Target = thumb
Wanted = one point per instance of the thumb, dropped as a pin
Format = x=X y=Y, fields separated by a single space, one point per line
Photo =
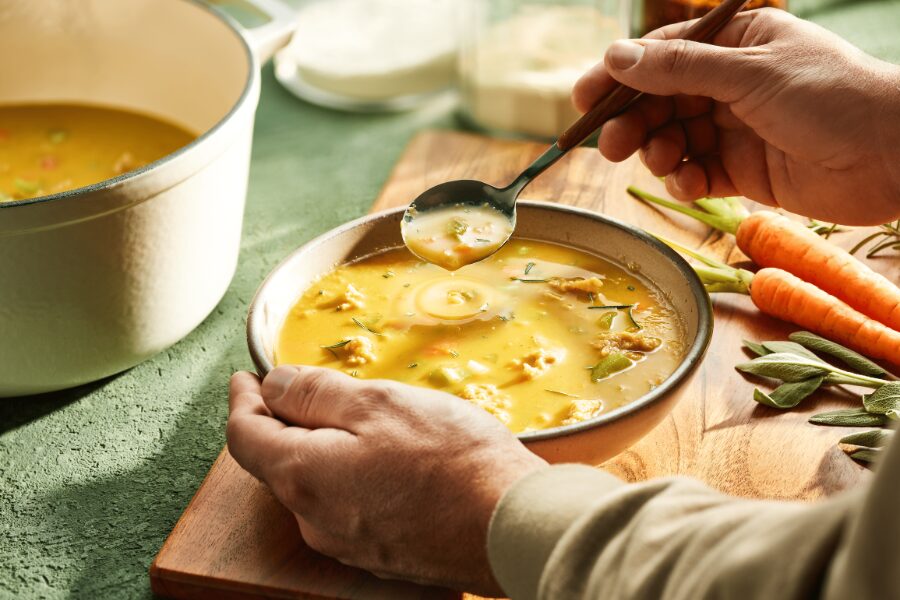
x=670 y=67
x=313 y=397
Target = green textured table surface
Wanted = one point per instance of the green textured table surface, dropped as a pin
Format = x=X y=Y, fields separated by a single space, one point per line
x=93 y=479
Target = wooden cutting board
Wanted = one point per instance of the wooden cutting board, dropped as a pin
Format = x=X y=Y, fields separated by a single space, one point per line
x=235 y=541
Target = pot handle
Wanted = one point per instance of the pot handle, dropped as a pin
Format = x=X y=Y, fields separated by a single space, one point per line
x=273 y=35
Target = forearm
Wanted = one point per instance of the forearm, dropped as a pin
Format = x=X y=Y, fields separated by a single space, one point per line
x=575 y=532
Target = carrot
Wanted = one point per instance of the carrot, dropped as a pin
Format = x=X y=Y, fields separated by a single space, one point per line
x=785 y=296
x=773 y=240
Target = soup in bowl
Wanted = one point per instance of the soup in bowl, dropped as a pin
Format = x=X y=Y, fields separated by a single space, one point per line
x=578 y=334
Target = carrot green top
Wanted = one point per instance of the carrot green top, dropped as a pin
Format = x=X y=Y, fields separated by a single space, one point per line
x=724 y=214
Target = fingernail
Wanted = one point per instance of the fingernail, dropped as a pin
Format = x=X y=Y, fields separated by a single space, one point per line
x=624 y=54
x=278 y=381
x=677 y=189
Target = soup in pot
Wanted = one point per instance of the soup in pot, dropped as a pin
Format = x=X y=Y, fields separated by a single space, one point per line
x=50 y=148
x=538 y=334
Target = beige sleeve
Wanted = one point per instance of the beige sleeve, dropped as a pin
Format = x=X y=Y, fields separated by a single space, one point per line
x=576 y=532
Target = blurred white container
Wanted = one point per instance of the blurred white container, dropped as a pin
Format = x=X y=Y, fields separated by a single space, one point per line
x=371 y=55
x=520 y=58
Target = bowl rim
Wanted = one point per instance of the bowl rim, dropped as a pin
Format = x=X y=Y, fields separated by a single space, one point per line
x=692 y=357
x=252 y=77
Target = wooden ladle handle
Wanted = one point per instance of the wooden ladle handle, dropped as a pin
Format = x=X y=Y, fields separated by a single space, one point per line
x=623 y=96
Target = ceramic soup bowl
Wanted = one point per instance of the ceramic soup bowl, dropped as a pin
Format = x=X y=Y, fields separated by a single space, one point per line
x=590 y=442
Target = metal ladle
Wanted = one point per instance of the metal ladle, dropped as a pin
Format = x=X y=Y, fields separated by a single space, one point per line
x=503 y=200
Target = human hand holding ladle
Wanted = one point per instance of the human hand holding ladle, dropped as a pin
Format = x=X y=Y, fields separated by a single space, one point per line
x=492 y=210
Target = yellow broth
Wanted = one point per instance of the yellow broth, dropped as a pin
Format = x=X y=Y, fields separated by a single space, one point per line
x=51 y=148
x=514 y=334
x=455 y=236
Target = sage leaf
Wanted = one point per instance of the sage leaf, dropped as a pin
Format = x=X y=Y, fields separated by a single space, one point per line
x=609 y=364
x=790 y=348
x=765 y=399
x=784 y=366
x=884 y=401
x=870 y=439
x=852 y=359
x=755 y=348
x=839 y=379
x=789 y=395
x=866 y=455
x=848 y=417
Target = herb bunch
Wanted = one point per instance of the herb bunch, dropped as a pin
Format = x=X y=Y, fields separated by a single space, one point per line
x=886 y=238
x=798 y=365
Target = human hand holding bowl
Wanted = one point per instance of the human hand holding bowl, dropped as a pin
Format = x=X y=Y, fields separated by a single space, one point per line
x=398 y=480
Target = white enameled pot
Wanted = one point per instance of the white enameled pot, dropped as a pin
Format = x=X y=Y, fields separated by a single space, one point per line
x=95 y=280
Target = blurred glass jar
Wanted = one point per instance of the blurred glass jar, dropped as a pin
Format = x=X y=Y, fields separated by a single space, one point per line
x=520 y=58
x=371 y=55
x=653 y=14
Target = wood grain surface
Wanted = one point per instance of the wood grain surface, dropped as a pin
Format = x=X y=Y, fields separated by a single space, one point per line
x=235 y=541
